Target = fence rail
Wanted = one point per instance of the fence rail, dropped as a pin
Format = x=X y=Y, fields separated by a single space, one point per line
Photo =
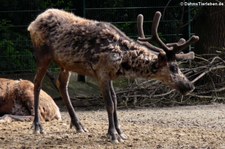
x=15 y=45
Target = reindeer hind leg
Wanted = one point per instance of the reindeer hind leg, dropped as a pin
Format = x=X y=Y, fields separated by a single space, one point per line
x=43 y=59
x=62 y=84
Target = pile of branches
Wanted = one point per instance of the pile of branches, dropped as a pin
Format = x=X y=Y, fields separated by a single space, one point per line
x=207 y=72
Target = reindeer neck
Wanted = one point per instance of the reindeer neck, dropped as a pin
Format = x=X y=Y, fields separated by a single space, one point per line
x=137 y=61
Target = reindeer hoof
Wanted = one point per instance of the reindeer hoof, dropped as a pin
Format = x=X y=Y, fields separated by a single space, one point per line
x=79 y=128
x=123 y=136
x=115 y=138
x=38 y=129
x=114 y=141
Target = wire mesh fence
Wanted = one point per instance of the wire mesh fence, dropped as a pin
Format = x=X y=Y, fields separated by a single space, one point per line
x=15 y=45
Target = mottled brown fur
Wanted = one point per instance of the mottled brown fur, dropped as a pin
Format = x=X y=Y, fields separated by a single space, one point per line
x=83 y=45
x=17 y=98
x=96 y=49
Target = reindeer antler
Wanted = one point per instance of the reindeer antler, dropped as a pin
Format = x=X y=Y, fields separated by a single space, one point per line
x=141 y=36
x=166 y=48
x=155 y=36
x=140 y=20
x=180 y=56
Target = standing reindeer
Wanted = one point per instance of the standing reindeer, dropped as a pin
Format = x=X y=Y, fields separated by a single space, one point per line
x=100 y=50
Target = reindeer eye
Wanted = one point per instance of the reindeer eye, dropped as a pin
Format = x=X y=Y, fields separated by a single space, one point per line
x=173 y=68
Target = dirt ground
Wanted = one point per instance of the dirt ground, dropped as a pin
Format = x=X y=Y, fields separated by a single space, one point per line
x=170 y=128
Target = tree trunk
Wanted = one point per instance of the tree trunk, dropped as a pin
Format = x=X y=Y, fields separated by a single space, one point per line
x=210 y=27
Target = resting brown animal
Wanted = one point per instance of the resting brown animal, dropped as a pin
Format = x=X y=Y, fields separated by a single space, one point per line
x=17 y=100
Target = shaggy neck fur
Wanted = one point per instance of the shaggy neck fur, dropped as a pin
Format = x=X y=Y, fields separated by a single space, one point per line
x=137 y=60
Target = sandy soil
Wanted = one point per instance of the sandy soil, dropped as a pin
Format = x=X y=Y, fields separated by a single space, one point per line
x=169 y=128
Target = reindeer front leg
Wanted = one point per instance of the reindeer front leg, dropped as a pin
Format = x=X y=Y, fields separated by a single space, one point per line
x=114 y=98
x=110 y=101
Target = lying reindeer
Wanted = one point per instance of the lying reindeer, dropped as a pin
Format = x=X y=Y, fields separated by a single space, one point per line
x=102 y=51
x=17 y=102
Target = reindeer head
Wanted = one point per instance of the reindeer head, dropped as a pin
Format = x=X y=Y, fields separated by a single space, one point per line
x=166 y=68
